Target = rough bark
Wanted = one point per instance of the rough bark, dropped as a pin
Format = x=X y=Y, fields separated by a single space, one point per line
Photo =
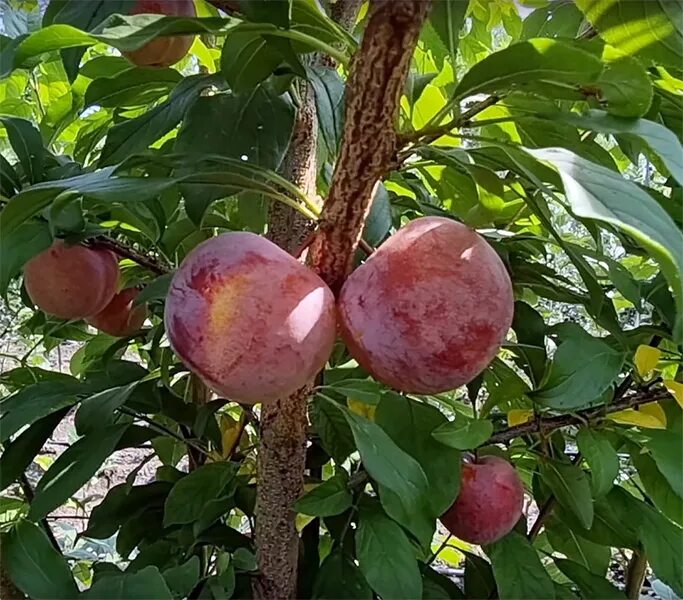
x=373 y=92
x=282 y=453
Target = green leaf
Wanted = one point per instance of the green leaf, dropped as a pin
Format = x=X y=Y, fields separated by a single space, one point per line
x=35 y=566
x=34 y=402
x=657 y=487
x=464 y=434
x=363 y=390
x=624 y=85
x=386 y=557
x=649 y=30
x=662 y=543
x=187 y=499
x=518 y=570
x=379 y=220
x=328 y=89
x=564 y=539
x=136 y=135
x=9 y=180
x=141 y=585
x=570 y=486
x=535 y=65
x=97 y=411
x=18 y=246
x=247 y=59
x=594 y=192
x=581 y=370
x=331 y=497
x=447 y=19
x=667 y=451
x=437 y=586
x=18 y=454
x=27 y=144
x=133 y=87
x=73 y=469
x=601 y=457
x=479 y=581
x=556 y=19
x=182 y=579
x=590 y=584
x=154 y=290
x=340 y=579
x=334 y=431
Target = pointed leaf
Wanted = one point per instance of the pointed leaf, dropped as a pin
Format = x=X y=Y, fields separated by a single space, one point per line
x=602 y=459
x=570 y=486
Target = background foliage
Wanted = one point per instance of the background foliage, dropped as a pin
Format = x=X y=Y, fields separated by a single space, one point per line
x=554 y=128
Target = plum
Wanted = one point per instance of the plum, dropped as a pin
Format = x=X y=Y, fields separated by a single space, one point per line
x=489 y=503
x=249 y=319
x=166 y=50
x=429 y=309
x=120 y=318
x=72 y=282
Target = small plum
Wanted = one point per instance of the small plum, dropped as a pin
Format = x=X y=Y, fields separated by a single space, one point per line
x=120 y=318
x=429 y=309
x=249 y=319
x=72 y=282
x=489 y=503
x=166 y=50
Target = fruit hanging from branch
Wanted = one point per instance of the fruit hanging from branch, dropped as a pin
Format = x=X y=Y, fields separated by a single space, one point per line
x=120 y=317
x=249 y=319
x=72 y=282
x=430 y=309
x=168 y=50
x=489 y=503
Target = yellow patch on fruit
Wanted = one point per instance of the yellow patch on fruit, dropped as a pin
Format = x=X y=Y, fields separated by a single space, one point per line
x=518 y=416
x=675 y=388
x=649 y=416
x=224 y=302
x=361 y=408
x=646 y=359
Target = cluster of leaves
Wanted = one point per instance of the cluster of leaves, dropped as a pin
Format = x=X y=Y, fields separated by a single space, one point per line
x=533 y=130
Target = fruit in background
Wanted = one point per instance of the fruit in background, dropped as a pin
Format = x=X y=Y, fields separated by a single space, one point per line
x=120 y=318
x=250 y=320
x=167 y=50
x=72 y=282
x=429 y=309
x=489 y=503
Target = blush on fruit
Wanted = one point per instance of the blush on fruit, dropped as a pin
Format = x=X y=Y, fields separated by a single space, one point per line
x=120 y=318
x=250 y=320
x=429 y=309
x=71 y=282
x=166 y=50
x=489 y=503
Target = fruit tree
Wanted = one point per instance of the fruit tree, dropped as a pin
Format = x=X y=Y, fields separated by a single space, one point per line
x=349 y=299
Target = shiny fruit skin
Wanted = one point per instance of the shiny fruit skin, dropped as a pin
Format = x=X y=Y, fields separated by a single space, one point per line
x=489 y=504
x=71 y=282
x=250 y=320
x=429 y=309
x=120 y=318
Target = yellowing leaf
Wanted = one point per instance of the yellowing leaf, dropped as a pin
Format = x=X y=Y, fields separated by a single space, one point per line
x=302 y=521
x=361 y=408
x=655 y=410
x=646 y=359
x=640 y=418
x=230 y=432
x=517 y=416
x=675 y=388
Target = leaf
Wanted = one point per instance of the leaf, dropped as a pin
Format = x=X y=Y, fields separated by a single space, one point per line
x=35 y=566
x=334 y=431
x=534 y=65
x=34 y=402
x=464 y=434
x=73 y=469
x=27 y=144
x=650 y=30
x=340 y=579
x=675 y=388
x=590 y=584
x=601 y=457
x=97 y=411
x=666 y=448
x=9 y=180
x=137 y=134
x=646 y=359
x=182 y=579
x=597 y=193
x=364 y=390
x=386 y=557
x=247 y=59
x=328 y=90
x=447 y=19
x=156 y=289
x=519 y=416
x=437 y=586
x=518 y=570
x=18 y=246
x=361 y=408
x=379 y=220
x=188 y=497
x=639 y=418
x=581 y=370
x=133 y=87
x=18 y=454
x=479 y=581
x=141 y=585
x=331 y=497
x=657 y=487
x=570 y=486
x=564 y=539
x=556 y=19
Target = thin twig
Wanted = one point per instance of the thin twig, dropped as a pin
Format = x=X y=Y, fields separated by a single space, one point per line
x=125 y=251
x=635 y=574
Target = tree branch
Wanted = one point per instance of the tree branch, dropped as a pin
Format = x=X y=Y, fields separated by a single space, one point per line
x=125 y=251
x=368 y=146
x=635 y=574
